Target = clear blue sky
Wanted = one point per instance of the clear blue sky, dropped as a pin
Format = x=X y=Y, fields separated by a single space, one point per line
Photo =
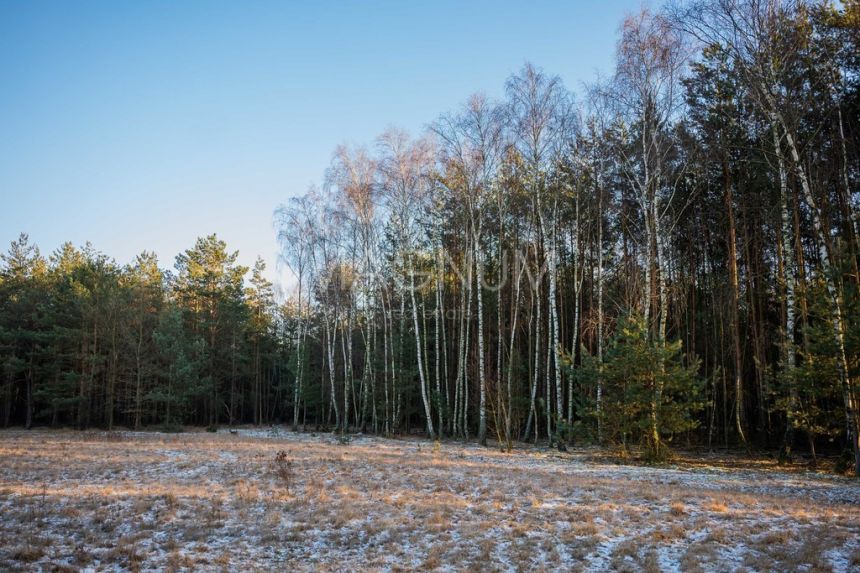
x=143 y=125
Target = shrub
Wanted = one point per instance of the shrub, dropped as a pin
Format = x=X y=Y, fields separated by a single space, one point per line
x=649 y=393
x=283 y=468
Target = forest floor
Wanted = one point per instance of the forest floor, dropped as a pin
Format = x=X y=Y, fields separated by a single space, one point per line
x=220 y=501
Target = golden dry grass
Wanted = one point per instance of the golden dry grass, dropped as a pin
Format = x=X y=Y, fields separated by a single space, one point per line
x=201 y=501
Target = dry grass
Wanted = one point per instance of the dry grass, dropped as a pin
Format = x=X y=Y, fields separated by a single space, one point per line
x=193 y=501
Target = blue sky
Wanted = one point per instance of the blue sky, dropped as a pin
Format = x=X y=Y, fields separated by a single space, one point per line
x=143 y=125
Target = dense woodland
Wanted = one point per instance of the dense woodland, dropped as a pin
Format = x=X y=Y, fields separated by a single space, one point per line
x=667 y=257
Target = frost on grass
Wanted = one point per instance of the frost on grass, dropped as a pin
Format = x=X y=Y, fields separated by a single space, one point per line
x=266 y=499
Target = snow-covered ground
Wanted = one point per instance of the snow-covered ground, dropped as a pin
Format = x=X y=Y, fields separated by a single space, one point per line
x=200 y=501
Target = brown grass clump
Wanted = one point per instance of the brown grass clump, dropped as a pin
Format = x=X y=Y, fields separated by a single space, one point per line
x=715 y=506
x=677 y=509
x=671 y=533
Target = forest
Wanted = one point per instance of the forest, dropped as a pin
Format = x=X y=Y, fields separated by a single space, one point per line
x=664 y=258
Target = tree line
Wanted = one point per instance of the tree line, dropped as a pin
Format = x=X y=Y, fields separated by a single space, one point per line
x=669 y=256
x=87 y=342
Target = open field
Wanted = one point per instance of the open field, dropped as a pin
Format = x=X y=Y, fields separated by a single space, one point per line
x=200 y=501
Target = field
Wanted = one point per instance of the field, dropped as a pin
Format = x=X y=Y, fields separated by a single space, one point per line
x=272 y=499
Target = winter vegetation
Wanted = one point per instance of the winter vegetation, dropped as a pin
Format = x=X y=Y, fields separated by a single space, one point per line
x=486 y=318
x=272 y=499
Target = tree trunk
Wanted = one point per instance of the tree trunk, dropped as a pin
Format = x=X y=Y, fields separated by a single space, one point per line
x=787 y=280
x=418 y=347
x=734 y=310
x=482 y=377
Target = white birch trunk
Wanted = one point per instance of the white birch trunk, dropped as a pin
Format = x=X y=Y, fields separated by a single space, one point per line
x=482 y=381
x=418 y=349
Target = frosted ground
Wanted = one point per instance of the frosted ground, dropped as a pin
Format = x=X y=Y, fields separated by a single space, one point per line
x=200 y=501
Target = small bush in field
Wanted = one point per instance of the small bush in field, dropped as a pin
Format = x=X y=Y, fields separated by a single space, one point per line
x=283 y=466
